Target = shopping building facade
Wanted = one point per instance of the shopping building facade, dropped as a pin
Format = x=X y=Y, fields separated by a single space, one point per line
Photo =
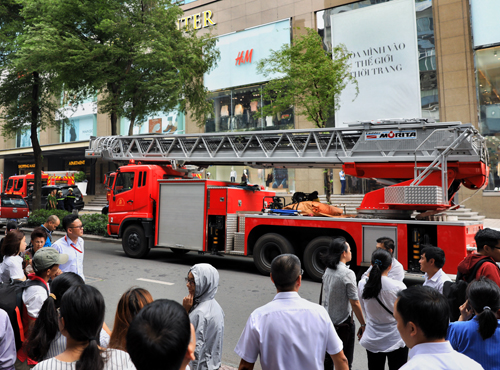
x=458 y=58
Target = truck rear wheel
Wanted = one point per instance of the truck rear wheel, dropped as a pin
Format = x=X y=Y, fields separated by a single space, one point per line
x=134 y=242
x=267 y=247
x=313 y=265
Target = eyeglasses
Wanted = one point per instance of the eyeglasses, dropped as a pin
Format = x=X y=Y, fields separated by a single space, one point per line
x=76 y=227
x=189 y=281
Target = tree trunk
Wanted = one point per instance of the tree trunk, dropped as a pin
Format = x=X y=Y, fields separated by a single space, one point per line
x=131 y=126
x=327 y=183
x=37 y=150
x=114 y=116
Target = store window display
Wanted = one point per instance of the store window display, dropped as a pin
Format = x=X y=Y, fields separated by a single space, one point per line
x=236 y=110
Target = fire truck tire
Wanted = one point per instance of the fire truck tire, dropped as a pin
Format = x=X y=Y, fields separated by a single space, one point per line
x=312 y=262
x=134 y=242
x=266 y=248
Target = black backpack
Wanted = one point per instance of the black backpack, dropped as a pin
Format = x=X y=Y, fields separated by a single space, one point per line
x=11 y=301
x=455 y=291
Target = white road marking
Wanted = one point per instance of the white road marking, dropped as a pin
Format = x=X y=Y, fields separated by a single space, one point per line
x=155 y=281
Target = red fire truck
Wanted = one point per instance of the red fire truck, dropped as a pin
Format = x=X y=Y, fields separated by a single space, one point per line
x=24 y=184
x=156 y=202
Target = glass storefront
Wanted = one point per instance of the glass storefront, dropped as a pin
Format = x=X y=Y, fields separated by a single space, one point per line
x=426 y=48
x=236 y=110
x=486 y=42
x=488 y=94
x=165 y=123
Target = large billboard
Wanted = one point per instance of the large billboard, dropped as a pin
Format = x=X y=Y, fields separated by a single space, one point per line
x=382 y=40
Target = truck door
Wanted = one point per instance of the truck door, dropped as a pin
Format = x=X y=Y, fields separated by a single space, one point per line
x=123 y=194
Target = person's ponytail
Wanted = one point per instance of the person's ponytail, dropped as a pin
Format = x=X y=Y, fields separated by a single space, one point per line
x=44 y=330
x=82 y=309
x=484 y=298
x=381 y=260
x=91 y=358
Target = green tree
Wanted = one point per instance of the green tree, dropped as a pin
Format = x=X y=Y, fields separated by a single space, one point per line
x=131 y=53
x=26 y=91
x=311 y=80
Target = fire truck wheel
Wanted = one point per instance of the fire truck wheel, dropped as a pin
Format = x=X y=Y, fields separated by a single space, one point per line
x=267 y=247
x=312 y=261
x=134 y=242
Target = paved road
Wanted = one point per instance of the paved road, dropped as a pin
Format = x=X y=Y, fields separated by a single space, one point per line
x=242 y=288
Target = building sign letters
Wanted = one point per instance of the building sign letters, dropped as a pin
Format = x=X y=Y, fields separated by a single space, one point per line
x=390 y=135
x=30 y=165
x=244 y=57
x=196 y=21
x=77 y=163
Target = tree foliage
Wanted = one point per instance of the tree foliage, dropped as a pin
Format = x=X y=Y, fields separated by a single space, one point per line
x=131 y=53
x=311 y=81
x=27 y=90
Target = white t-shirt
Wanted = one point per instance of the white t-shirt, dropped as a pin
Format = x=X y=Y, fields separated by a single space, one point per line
x=58 y=345
x=381 y=333
x=33 y=298
x=397 y=271
x=437 y=280
x=116 y=360
x=11 y=268
x=289 y=333
x=438 y=356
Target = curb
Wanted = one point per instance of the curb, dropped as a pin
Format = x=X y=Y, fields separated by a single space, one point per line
x=84 y=237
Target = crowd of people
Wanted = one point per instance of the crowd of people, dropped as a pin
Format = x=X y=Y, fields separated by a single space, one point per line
x=409 y=328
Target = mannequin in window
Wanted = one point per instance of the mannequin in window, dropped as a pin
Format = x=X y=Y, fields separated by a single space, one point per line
x=244 y=176
x=224 y=111
x=233 y=175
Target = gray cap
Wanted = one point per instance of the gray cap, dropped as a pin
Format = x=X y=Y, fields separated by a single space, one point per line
x=47 y=257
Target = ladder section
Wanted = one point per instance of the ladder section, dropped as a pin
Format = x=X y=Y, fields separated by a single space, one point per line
x=360 y=142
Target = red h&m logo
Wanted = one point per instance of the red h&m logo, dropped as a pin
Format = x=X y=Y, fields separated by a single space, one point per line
x=244 y=57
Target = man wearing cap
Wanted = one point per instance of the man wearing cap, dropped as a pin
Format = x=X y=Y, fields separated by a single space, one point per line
x=70 y=200
x=45 y=263
x=60 y=200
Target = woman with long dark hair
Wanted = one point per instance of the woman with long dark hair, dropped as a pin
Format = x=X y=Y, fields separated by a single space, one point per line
x=131 y=302
x=81 y=317
x=45 y=339
x=339 y=296
x=12 y=264
x=479 y=338
x=378 y=293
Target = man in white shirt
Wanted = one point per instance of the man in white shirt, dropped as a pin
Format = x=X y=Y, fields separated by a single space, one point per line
x=72 y=245
x=431 y=262
x=422 y=315
x=397 y=271
x=289 y=332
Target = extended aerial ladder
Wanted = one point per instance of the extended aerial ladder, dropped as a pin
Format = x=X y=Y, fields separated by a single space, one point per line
x=430 y=160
